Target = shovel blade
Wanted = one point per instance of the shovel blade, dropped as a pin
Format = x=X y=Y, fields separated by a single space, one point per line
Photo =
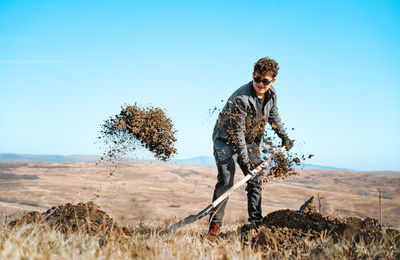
x=184 y=222
x=192 y=218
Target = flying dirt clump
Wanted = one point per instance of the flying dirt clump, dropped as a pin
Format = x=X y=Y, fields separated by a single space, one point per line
x=68 y=218
x=148 y=126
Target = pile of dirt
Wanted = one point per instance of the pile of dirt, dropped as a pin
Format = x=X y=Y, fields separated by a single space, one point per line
x=285 y=229
x=303 y=221
x=68 y=218
x=148 y=126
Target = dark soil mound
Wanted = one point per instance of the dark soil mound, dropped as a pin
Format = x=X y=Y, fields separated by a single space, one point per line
x=81 y=218
x=288 y=228
x=149 y=126
x=305 y=222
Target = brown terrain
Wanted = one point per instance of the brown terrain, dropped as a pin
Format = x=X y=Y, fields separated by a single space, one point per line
x=141 y=191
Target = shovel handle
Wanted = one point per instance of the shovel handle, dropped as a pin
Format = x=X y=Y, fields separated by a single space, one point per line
x=245 y=179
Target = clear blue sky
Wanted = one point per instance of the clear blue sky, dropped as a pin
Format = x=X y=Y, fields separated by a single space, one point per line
x=65 y=64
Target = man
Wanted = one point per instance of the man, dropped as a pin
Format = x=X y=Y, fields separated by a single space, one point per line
x=237 y=136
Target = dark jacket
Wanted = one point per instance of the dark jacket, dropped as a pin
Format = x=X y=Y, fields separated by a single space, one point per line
x=239 y=125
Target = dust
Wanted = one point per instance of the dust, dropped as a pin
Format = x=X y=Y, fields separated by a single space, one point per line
x=69 y=218
x=148 y=127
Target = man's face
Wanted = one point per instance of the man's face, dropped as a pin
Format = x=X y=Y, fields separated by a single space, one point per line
x=262 y=83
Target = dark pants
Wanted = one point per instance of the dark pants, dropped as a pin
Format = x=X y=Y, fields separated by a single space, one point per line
x=226 y=174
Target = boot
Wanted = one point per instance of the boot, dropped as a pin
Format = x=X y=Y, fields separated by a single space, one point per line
x=214 y=229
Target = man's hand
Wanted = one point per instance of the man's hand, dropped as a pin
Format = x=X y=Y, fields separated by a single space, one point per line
x=287 y=143
x=248 y=167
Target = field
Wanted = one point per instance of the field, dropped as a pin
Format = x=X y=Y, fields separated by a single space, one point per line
x=149 y=197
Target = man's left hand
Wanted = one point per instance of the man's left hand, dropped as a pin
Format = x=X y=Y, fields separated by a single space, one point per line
x=287 y=143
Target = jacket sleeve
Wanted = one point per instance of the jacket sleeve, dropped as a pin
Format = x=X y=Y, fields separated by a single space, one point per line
x=238 y=119
x=275 y=121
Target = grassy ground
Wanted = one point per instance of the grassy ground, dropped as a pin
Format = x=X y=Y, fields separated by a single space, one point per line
x=154 y=240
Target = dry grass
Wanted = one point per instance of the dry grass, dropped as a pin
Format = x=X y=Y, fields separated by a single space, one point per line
x=148 y=240
x=154 y=240
x=158 y=191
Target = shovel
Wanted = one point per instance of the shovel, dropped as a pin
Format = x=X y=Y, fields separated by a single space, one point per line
x=209 y=208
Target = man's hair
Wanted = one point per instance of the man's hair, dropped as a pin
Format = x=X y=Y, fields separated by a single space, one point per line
x=265 y=65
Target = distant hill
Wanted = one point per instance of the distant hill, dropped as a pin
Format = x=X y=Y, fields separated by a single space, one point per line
x=307 y=166
x=208 y=161
x=11 y=157
x=202 y=161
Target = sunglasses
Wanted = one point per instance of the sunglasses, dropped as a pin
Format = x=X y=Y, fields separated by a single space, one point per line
x=264 y=81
